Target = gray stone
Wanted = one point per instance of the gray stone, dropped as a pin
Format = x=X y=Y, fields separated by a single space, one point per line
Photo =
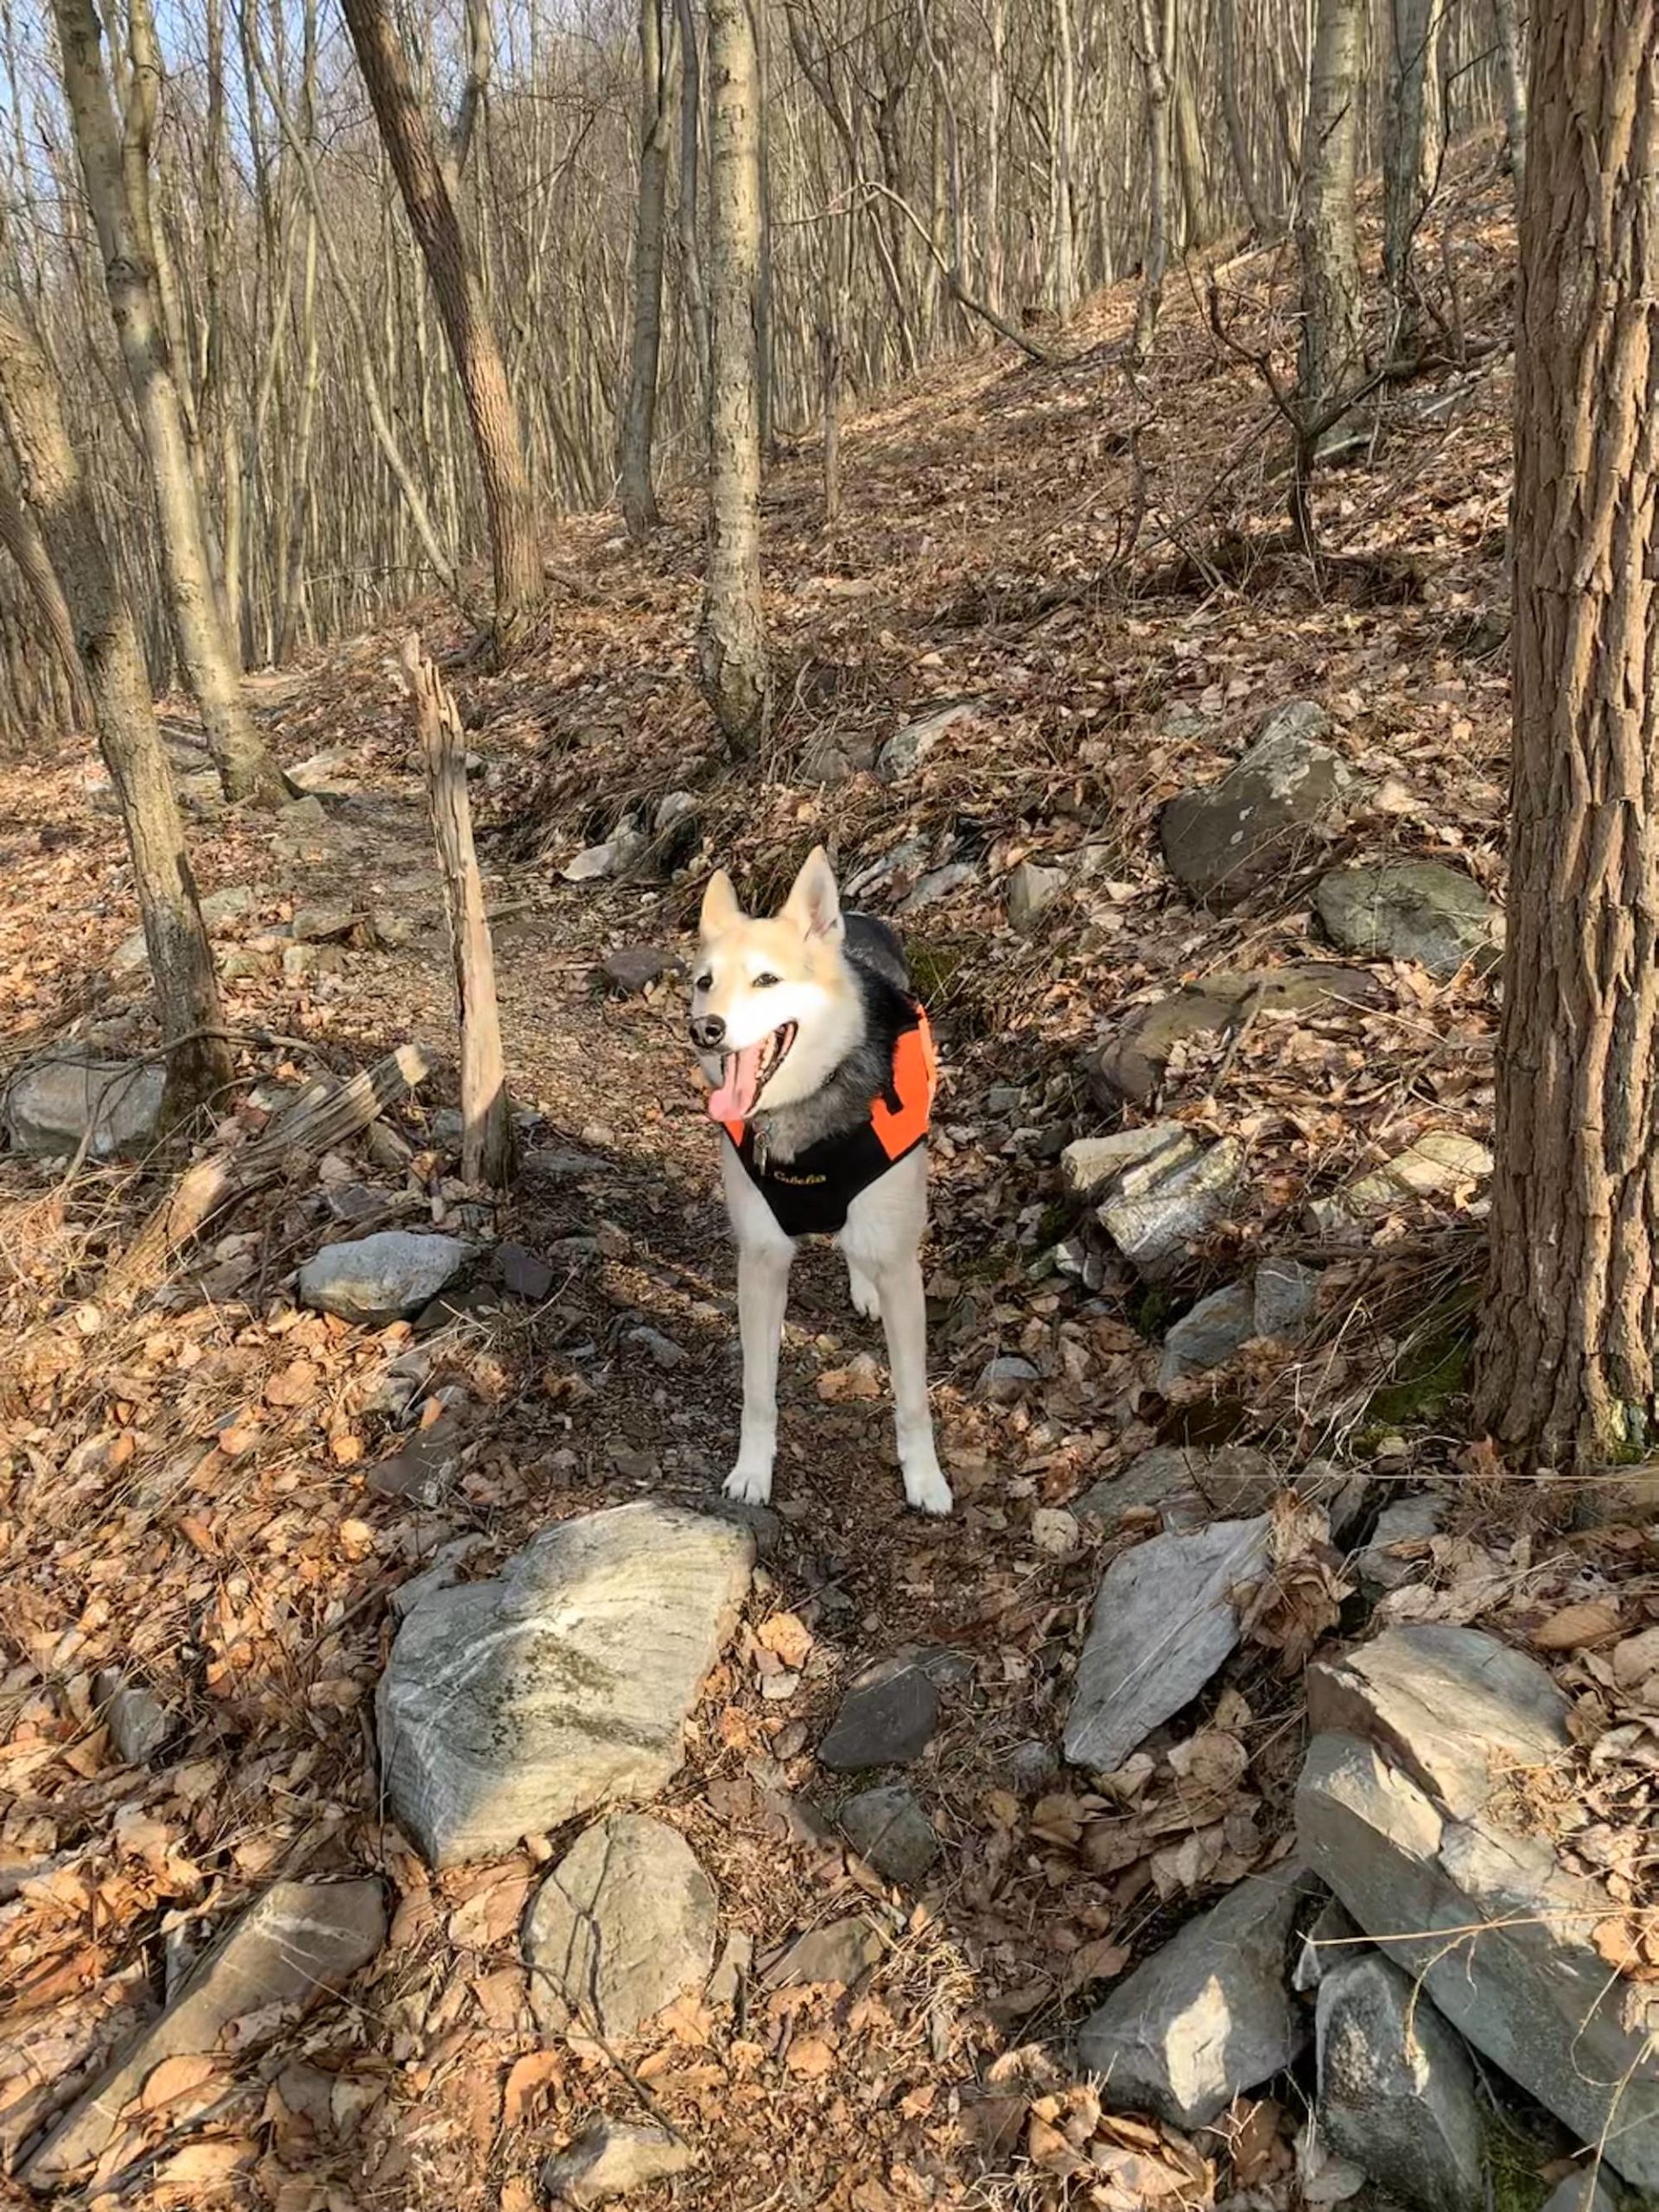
x=1031 y=891
x=423 y=1470
x=1003 y=1100
x=885 y=1719
x=904 y=752
x=1163 y=1204
x=139 y=1724
x=623 y=1925
x=889 y=1827
x=1190 y=1484
x=1410 y=1521
x=1584 y=2191
x=735 y=1965
x=1134 y=1065
x=939 y=883
x=300 y=961
x=512 y=1705
x=1208 y=1336
x=661 y=1351
x=610 y=2157
x=1415 y=909
x=523 y=1273
x=672 y=807
x=842 y=1952
x=219 y=909
x=1163 y=1622
x=1397 y=2092
x=1207 y=2016
x=293 y=1945
x=443 y=1573
x=1435 y=1165
x=629 y=969
x=1087 y=1165
x=1286 y=1296
x=387 y=1277
x=299 y=822
x=322 y=923
x=1007 y=1376
x=593 y=864
x=1400 y=1809
x=1032 y=1766
x=50 y=1106
x=1328 y=1941
x=1284 y=795
x=320 y=770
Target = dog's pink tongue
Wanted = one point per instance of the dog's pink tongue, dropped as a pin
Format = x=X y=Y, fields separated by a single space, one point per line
x=736 y=1096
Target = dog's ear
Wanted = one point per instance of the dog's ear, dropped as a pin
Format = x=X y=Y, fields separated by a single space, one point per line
x=720 y=907
x=814 y=903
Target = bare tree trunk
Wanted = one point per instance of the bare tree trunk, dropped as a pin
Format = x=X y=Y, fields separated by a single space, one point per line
x=486 y=1145
x=181 y=959
x=1158 y=50
x=696 y=296
x=1513 y=66
x=1332 y=341
x=246 y=766
x=21 y=536
x=430 y=199
x=1565 y=1365
x=1189 y=145
x=760 y=27
x=1263 y=221
x=1413 y=144
x=1065 y=164
x=639 y=401
x=732 y=642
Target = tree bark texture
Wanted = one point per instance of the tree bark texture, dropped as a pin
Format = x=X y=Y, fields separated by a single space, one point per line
x=1413 y=144
x=1158 y=50
x=486 y=1146
x=427 y=191
x=1513 y=69
x=1564 y=1367
x=1332 y=339
x=246 y=766
x=181 y=959
x=21 y=536
x=732 y=641
x=638 y=411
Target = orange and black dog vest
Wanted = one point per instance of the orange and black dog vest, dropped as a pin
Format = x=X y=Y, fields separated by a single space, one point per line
x=810 y=1195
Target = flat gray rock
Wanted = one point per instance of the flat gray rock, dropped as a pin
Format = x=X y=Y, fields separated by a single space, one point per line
x=906 y=749
x=844 y=1951
x=380 y=1278
x=1163 y=1622
x=293 y=1945
x=1136 y=1063
x=623 y=1925
x=1089 y=1165
x=611 y=2157
x=1209 y=1335
x=1584 y=2191
x=888 y=1828
x=51 y=1107
x=1271 y=810
x=139 y=1723
x=1412 y=910
x=632 y=968
x=1396 y=2092
x=512 y=1705
x=1498 y=1934
x=1031 y=891
x=1409 y=1521
x=1166 y=1202
x=885 y=1719
x=1207 y=2016
x=1285 y=1297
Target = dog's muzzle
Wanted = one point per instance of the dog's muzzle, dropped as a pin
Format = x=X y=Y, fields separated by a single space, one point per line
x=708 y=1033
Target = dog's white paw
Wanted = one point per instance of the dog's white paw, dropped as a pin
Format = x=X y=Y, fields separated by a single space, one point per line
x=866 y=1299
x=926 y=1491
x=753 y=1485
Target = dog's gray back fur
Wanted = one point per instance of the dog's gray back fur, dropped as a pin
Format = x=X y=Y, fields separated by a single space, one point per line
x=873 y=952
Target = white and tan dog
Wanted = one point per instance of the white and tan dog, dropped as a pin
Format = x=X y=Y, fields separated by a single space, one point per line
x=822 y=1067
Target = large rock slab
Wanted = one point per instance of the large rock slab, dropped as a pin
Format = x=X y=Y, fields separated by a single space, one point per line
x=50 y=1108
x=380 y=1278
x=1281 y=799
x=1210 y=2015
x=1396 y=2092
x=1163 y=1204
x=1134 y=1065
x=1401 y=1809
x=622 y=1926
x=512 y=1705
x=1414 y=910
x=1163 y=1622
x=295 y=1944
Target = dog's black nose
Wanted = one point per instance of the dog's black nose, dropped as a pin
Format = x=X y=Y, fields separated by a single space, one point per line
x=708 y=1032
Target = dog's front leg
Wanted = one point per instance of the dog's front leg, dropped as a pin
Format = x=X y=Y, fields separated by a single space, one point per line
x=903 y=1317
x=762 y=1295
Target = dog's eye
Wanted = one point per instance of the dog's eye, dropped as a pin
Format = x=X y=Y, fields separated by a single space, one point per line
x=704 y=983
x=765 y=982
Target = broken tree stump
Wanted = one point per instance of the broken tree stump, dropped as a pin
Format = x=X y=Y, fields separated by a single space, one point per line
x=487 y=1144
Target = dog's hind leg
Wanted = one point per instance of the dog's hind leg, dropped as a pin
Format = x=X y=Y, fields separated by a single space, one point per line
x=866 y=1299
